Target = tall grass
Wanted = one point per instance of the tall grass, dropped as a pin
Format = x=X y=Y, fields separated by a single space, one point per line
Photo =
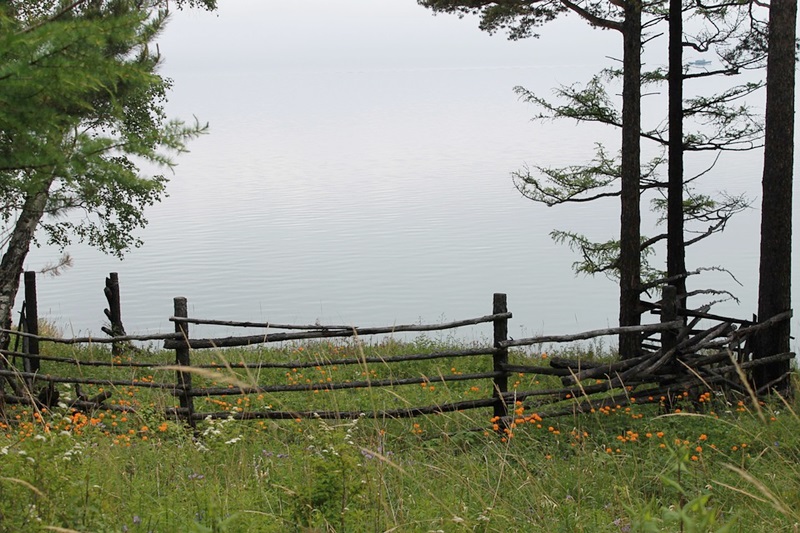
x=710 y=464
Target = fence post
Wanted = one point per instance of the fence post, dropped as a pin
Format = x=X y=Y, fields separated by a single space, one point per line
x=182 y=359
x=114 y=311
x=31 y=364
x=500 y=358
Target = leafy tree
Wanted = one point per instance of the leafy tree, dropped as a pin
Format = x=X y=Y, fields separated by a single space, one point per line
x=775 y=268
x=81 y=109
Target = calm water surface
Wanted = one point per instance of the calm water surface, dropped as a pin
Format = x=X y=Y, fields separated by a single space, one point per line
x=373 y=195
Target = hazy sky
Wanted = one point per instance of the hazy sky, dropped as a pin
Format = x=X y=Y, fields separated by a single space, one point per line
x=363 y=34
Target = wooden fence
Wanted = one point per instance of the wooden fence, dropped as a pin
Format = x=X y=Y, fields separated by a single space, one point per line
x=684 y=356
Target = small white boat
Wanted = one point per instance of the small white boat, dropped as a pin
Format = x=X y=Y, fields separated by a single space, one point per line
x=700 y=63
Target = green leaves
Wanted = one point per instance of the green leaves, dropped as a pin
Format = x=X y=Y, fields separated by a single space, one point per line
x=81 y=108
x=574 y=183
x=588 y=102
x=517 y=19
x=603 y=257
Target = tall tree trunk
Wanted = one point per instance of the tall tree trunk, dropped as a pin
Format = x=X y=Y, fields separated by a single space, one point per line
x=676 y=262
x=775 y=268
x=13 y=261
x=630 y=218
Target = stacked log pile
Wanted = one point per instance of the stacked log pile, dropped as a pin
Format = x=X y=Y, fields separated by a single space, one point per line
x=716 y=358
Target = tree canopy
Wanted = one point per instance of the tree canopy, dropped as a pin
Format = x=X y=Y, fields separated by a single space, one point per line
x=81 y=113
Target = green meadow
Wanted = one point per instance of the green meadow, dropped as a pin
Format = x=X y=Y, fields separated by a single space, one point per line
x=709 y=462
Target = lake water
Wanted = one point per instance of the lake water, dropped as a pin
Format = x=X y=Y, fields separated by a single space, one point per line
x=366 y=181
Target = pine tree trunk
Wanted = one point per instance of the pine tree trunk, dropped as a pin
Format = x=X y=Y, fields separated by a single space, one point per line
x=13 y=261
x=676 y=262
x=775 y=269
x=630 y=218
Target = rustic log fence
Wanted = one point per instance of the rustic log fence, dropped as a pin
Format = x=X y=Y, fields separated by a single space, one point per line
x=684 y=356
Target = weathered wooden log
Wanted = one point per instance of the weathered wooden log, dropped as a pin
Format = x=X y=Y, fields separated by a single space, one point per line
x=633 y=368
x=741 y=341
x=642 y=396
x=697 y=360
x=95 y=340
x=655 y=308
x=565 y=392
x=746 y=331
x=758 y=362
x=720 y=374
x=616 y=383
x=90 y=381
x=649 y=366
x=725 y=380
x=593 y=334
x=355 y=360
x=79 y=362
x=500 y=357
x=307 y=387
x=336 y=415
x=541 y=370
x=82 y=405
x=260 y=365
x=114 y=314
x=574 y=364
x=182 y=359
x=229 y=342
x=606 y=369
x=261 y=325
x=701 y=340
x=765 y=388
x=31 y=343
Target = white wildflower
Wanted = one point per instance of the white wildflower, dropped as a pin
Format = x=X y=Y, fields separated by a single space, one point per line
x=73 y=452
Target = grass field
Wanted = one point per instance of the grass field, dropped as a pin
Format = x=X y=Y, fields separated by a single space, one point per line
x=710 y=464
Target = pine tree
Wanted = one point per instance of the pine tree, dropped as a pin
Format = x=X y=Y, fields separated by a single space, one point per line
x=775 y=268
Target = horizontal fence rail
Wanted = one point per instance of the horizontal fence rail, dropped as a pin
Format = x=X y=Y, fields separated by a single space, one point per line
x=593 y=334
x=365 y=384
x=323 y=333
x=47 y=378
x=265 y=364
x=93 y=340
x=409 y=412
x=245 y=324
